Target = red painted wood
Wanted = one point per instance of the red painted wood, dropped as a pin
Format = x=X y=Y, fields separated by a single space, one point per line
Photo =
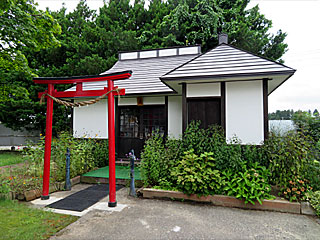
x=82 y=79
x=89 y=93
x=47 y=148
x=79 y=87
x=111 y=137
x=80 y=93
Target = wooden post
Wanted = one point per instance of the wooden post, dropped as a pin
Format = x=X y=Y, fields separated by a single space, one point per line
x=111 y=136
x=47 y=148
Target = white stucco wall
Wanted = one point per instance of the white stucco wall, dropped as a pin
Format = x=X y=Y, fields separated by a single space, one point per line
x=244 y=111
x=175 y=116
x=91 y=121
x=204 y=90
x=146 y=101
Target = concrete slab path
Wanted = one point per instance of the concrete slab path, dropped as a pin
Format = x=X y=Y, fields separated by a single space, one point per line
x=160 y=219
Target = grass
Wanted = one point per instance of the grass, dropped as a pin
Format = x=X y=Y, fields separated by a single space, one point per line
x=18 y=221
x=9 y=158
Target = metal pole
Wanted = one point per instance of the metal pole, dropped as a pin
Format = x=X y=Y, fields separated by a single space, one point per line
x=132 y=188
x=47 y=148
x=111 y=135
x=68 y=182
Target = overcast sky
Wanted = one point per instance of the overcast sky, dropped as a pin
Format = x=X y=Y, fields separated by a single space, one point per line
x=300 y=19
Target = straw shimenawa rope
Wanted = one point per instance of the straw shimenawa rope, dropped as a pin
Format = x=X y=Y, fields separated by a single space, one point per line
x=77 y=104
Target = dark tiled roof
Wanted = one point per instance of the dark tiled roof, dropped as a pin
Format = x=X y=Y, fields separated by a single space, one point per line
x=146 y=74
x=227 y=61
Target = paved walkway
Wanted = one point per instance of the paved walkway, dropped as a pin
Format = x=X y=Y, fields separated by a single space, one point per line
x=159 y=219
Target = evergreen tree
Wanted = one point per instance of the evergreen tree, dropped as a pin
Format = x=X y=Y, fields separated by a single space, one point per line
x=90 y=42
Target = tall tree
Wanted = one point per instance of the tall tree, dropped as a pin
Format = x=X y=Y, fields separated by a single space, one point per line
x=90 y=42
x=22 y=27
x=200 y=22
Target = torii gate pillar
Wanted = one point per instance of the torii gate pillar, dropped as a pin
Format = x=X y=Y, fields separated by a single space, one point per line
x=111 y=136
x=47 y=146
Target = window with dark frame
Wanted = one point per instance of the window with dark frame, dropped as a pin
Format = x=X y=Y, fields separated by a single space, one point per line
x=140 y=122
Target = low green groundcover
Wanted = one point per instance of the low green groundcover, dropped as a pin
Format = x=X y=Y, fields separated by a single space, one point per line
x=19 y=221
x=122 y=172
x=9 y=158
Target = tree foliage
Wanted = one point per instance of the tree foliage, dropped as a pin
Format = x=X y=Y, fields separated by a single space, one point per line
x=90 y=41
x=22 y=27
x=308 y=123
x=281 y=115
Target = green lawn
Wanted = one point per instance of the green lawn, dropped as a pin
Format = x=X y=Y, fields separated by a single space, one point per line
x=18 y=221
x=9 y=158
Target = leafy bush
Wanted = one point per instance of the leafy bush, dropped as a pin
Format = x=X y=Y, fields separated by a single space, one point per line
x=86 y=154
x=250 y=184
x=296 y=189
x=157 y=160
x=213 y=140
x=101 y=152
x=5 y=184
x=246 y=170
x=308 y=124
x=18 y=180
x=287 y=156
x=312 y=173
x=197 y=174
x=254 y=153
x=314 y=199
x=152 y=159
x=82 y=156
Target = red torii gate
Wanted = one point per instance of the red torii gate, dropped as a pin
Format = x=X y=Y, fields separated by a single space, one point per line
x=78 y=80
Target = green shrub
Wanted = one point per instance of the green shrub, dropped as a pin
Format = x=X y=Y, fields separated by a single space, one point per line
x=246 y=170
x=157 y=160
x=254 y=153
x=308 y=124
x=101 y=152
x=18 y=180
x=295 y=189
x=227 y=155
x=5 y=184
x=197 y=174
x=312 y=167
x=82 y=156
x=312 y=173
x=314 y=199
x=287 y=156
x=250 y=184
x=152 y=161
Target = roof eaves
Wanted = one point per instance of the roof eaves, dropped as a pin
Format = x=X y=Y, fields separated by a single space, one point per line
x=167 y=78
x=291 y=72
x=281 y=83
